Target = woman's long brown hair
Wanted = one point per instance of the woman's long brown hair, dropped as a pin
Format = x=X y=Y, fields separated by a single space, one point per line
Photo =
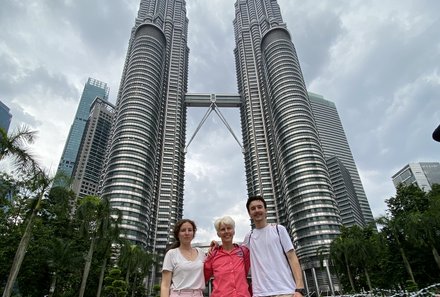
x=176 y=231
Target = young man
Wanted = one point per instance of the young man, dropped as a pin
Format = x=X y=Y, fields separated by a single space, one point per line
x=275 y=268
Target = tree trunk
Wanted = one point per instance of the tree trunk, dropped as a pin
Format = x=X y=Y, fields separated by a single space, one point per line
x=349 y=273
x=407 y=265
x=53 y=284
x=127 y=275
x=87 y=268
x=436 y=256
x=368 y=280
x=101 y=277
x=21 y=252
x=133 y=286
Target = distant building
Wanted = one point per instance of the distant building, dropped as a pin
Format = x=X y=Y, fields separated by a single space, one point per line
x=423 y=174
x=92 y=89
x=5 y=117
x=343 y=171
x=345 y=193
x=91 y=154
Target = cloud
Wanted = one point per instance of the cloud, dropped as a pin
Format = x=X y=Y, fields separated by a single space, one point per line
x=214 y=173
x=378 y=61
x=211 y=43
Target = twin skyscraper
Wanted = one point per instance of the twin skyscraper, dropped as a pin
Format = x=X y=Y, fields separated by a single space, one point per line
x=286 y=153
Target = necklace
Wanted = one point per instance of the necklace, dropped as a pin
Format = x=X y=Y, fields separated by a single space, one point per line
x=187 y=254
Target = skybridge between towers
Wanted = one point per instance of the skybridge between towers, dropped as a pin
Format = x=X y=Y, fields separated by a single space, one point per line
x=206 y=100
x=213 y=102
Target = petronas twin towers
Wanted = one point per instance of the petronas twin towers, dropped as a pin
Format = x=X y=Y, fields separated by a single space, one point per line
x=144 y=173
x=144 y=170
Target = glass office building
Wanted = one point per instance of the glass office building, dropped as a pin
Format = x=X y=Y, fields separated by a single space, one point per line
x=422 y=174
x=89 y=164
x=335 y=144
x=144 y=168
x=92 y=89
x=283 y=156
x=5 y=117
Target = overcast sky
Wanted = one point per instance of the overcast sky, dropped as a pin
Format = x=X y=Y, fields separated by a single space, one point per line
x=377 y=60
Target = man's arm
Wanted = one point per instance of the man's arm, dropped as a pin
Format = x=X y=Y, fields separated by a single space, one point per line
x=247 y=260
x=296 y=269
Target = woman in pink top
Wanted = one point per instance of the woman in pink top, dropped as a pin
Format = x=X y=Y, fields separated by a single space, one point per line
x=228 y=263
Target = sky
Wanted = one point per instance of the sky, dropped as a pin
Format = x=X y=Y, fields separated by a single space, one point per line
x=378 y=61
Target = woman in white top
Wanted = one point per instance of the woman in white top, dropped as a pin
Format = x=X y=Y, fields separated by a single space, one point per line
x=182 y=270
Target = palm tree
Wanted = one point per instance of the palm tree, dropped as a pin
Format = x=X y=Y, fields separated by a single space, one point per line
x=14 y=146
x=422 y=231
x=63 y=254
x=97 y=222
x=102 y=273
x=364 y=249
x=394 y=228
x=39 y=184
x=142 y=271
x=131 y=254
x=340 y=251
x=105 y=245
x=135 y=261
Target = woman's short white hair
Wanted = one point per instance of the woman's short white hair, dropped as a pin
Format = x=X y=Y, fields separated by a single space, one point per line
x=226 y=220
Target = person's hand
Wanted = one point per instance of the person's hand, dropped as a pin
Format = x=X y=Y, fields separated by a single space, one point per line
x=213 y=246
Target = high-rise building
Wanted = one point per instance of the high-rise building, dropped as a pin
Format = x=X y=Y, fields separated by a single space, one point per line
x=89 y=164
x=144 y=174
x=5 y=117
x=345 y=193
x=92 y=89
x=283 y=156
x=334 y=144
x=423 y=175
x=144 y=169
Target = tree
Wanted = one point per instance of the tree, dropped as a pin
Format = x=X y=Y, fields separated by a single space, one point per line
x=409 y=198
x=340 y=252
x=395 y=229
x=63 y=254
x=14 y=146
x=106 y=245
x=156 y=290
x=136 y=263
x=396 y=256
x=115 y=286
x=38 y=185
x=433 y=220
x=408 y=201
x=95 y=215
x=423 y=227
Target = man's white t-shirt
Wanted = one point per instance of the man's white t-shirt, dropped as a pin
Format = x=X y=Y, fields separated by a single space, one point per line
x=186 y=274
x=271 y=273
